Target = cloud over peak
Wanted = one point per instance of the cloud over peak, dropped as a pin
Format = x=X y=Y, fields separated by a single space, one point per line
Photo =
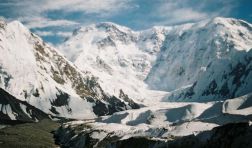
x=65 y=15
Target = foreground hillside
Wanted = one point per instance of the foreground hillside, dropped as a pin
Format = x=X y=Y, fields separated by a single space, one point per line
x=32 y=135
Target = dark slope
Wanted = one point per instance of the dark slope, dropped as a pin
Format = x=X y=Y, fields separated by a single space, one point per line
x=22 y=111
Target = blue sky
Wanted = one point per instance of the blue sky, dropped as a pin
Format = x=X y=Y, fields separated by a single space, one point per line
x=54 y=20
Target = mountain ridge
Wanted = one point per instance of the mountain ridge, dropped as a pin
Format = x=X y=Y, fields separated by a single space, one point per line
x=39 y=74
x=154 y=59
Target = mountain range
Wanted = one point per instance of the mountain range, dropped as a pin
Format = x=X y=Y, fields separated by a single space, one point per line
x=205 y=61
x=161 y=82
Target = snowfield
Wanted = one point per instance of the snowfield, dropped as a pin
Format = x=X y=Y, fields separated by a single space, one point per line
x=165 y=120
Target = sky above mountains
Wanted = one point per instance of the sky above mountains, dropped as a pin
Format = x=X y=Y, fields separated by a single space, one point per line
x=54 y=20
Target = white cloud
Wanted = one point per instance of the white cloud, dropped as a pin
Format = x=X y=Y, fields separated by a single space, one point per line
x=39 y=14
x=41 y=22
x=181 y=15
x=51 y=33
x=33 y=12
x=87 y=6
x=44 y=33
x=64 y=34
x=180 y=11
x=102 y=7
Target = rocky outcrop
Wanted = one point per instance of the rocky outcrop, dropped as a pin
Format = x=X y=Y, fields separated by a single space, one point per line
x=14 y=111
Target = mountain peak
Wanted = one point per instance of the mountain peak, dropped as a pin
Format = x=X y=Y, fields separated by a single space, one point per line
x=111 y=25
x=103 y=26
x=230 y=22
x=221 y=19
x=107 y=24
x=17 y=27
x=17 y=24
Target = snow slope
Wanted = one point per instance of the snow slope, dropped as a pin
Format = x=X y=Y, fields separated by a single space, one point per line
x=163 y=122
x=37 y=73
x=183 y=118
x=204 y=61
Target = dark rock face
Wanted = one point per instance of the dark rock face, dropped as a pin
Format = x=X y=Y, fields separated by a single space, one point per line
x=234 y=135
x=73 y=138
x=113 y=105
x=61 y=100
x=138 y=142
x=130 y=102
x=231 y=135
x=30 y=114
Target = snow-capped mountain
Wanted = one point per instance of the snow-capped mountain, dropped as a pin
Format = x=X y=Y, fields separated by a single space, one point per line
x=38 y=74
x=119 y=57
x=108 y=67
x=208 y=60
